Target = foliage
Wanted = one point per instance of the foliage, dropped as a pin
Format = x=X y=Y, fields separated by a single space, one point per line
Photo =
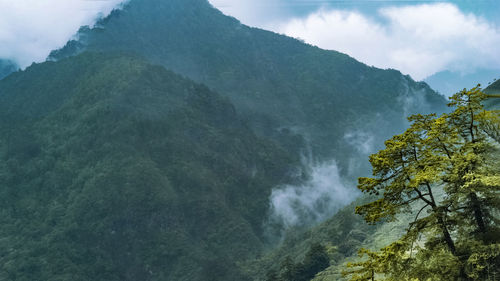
x=115 y=169
x=457 y=238
x=331 y=233
x=277 y=83
x=315 y=261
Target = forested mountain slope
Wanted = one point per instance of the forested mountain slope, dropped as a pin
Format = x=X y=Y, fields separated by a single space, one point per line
x=388 y=241
x=277 y=82
x=494 y=90
x=494 y=87
x=115 y=169
x=6 y=67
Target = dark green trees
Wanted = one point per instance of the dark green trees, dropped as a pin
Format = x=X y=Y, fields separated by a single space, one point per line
x=445 y=171
x=315 y=261
x=115 y=169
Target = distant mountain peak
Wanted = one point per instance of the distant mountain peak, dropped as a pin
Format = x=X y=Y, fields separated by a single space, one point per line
x=494 y=87
x=7 y=67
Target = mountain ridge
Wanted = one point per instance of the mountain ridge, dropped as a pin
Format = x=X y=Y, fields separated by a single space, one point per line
x=149 y=147
x=7 y=67
x=122 y=170
x=493 y=87
x=275 y=81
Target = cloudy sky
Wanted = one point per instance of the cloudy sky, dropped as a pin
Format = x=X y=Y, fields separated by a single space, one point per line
x=419 y=38
x=30 y=29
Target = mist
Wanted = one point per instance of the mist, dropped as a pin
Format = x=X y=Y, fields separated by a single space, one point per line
x=31 y=29
x=362 y=141
x=313 y=201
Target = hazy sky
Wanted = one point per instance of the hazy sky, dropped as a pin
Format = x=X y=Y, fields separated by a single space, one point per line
x=417 y=37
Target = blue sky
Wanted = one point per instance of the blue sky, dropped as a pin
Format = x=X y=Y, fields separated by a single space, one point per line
x=419 y=38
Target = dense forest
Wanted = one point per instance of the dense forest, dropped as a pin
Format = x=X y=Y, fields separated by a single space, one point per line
x=123 y=170
x=447 y=168
x=431 y=209
x=275 y=82
x=149 y=148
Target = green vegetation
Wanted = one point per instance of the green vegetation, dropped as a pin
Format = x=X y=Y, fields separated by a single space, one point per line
x=277 y=83
x=115 y=169
x=346 y=233
x=342 y=235
x=454 y=236
x=315 y=261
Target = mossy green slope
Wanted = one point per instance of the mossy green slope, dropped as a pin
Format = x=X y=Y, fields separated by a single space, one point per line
x=115 y=169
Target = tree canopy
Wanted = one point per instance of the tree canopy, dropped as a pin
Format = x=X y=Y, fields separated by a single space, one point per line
x=445 y=170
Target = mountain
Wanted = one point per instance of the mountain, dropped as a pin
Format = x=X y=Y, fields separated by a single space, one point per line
x=276 y=82
x=494 y=90
x=6 y=68
x=449 y=82
x=345 y=232
x=115 y=169
x=493 y=87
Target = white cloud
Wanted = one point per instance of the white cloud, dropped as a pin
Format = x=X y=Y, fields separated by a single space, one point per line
x=362 y=141
x=312 y=202
x=419 y=40
x=30 y=29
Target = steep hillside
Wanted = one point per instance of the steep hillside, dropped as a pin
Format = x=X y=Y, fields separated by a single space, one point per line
x=346 y=232
x=6 y=67
x=448 y=82
x=343 y=233
x=115 y=169
x=494 y=90
x=277 y=82
x=493 y=87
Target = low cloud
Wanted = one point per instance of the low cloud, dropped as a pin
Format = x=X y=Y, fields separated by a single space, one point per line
x=30 y=29
x=363 y=142
x=311 y=202
x=419 y=40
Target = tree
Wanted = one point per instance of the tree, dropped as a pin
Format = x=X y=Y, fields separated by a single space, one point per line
x=315 y=260
x=444 y=166
x=471 y=181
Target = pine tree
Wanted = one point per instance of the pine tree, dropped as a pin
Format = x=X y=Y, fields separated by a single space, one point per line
x=442 y=169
